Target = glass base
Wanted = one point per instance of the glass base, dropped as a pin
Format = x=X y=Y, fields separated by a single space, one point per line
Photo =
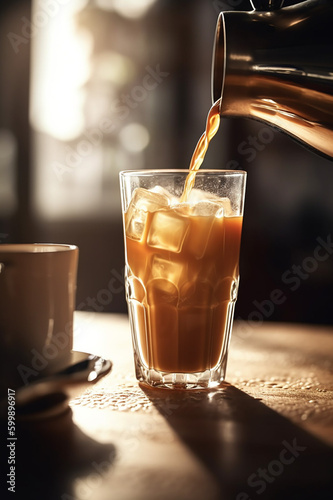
x=202 y=380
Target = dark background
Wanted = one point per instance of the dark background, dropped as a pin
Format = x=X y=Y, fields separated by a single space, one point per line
x=289 y=202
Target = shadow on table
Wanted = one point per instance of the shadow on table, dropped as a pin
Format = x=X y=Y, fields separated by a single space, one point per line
x=52 y=454
x=250 y=450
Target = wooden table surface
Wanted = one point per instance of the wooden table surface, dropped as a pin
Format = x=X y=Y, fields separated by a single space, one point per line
x=266 y=433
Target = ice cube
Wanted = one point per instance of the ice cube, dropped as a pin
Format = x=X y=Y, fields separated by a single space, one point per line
x=203 y=216
x=201 y=195
x=135 y=223
x=183 y=208
x=198 y=195
x=148 y=200
x=161 y=190
x=208 y=209
x=142 y=202
x=168 y=231
x=227 y=208
x=164 y=268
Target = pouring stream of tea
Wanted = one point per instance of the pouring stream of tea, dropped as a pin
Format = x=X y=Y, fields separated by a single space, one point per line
x=212 y=126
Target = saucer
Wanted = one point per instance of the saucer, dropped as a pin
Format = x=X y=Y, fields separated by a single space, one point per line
x=63 y=380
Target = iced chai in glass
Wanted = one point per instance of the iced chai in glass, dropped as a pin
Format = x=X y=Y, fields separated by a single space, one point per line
x=182 y=238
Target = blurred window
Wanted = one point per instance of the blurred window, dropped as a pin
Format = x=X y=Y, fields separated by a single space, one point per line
x=86 y=88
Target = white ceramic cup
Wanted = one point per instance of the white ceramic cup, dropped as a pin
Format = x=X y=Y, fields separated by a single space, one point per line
x=37 y=301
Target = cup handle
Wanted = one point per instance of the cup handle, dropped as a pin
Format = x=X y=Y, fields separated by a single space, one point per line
x=2 y=267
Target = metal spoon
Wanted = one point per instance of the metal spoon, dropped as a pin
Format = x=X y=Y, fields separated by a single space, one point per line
x=63 y=377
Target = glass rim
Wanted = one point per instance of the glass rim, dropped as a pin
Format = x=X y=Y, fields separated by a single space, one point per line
x=35 y=248
x=181 y=171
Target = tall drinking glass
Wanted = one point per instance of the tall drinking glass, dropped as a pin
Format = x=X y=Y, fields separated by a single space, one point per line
x=182 y=272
